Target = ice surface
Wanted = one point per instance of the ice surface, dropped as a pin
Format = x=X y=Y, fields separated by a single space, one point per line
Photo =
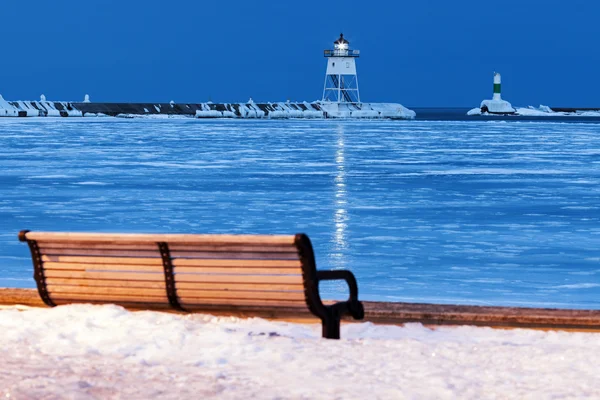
x=85 y=351
x=449 y=212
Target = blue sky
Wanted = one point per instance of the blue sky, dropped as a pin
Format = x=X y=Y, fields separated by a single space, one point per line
x=419 y=53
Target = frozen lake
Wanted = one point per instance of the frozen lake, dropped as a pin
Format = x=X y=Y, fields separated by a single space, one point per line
x=494 y=213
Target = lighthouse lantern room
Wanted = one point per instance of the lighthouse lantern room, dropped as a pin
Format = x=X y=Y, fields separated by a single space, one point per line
x=341 y=80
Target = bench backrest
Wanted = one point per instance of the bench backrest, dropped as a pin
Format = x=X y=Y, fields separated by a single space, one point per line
x=188 y=272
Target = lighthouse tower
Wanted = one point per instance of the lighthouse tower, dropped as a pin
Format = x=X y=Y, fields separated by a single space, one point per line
x=496 y=105
x=497 y=87
x=341 y=80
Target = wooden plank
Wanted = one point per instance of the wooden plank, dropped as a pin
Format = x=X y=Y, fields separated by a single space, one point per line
x=56 y=290
x=233 y=248
x=101 y=252
x=378 y=312
x=103 y=260
x=145 y=238
x=234 y=256
x=182 y=262
x=239 y=286
x=288 y=314
x=187 y=295
x=25 y=297
x=132 y=305
x=248 y=279
x=106 y=283
x=191 y=302
x=102 y=267
x=497 y=317
x=119 y=276
x=108 y=298
x=98 y=245
x=236 y=271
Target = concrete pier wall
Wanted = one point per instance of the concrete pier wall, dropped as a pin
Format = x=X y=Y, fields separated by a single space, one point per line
x=206 y=110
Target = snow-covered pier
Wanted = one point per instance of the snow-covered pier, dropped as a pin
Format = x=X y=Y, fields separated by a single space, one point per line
x=205 y=110
x=341 y=99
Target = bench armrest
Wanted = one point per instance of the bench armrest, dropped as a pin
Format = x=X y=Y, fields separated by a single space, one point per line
x=355 y=307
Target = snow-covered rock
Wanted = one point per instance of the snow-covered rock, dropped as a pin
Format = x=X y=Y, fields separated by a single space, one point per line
x=209 y=114
x=474 y=111
x=497 y=107
x=366 y=110
x=7 y=109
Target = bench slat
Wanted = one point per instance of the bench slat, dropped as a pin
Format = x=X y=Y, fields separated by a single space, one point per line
x=264 y=255
x=235 y=271
x=234 y=248
x=109 y=298
x=131 y=304
x=103 y=260
x=259 y=287
x=105 y=283
x=268 y=287
x=138 y=292
x=168 y=238
x=101 y=252
x=186 y=295
x=131 y=276
x=97 y=245
x=111 y=245
x=102 y=267
x=184 y=262
x=246 y=279
x=192 y=304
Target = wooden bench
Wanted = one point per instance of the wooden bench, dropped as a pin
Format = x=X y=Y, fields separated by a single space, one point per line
x=262 y=275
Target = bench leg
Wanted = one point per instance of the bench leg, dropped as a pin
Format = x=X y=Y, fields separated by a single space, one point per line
x=331 y=324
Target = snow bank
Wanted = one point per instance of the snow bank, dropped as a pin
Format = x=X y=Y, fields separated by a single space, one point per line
x=497 y=107
x=474 y=111
x=6 y=109
x=541 y=111
x=85 y=351
x=545 y=111
x=367 y=110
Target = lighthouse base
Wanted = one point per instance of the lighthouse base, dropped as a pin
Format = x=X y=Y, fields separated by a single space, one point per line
x=366 y=110
x=498 y=107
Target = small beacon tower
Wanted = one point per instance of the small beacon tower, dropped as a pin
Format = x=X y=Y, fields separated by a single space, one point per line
x=341 y=80
x=497 y=105
x=497 y=87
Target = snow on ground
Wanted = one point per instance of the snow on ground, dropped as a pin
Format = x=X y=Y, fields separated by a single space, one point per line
x=84 y=351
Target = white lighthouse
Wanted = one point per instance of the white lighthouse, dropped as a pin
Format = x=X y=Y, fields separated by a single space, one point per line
x=341 y=80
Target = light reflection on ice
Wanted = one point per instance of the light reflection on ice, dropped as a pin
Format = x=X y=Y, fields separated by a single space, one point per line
x=341 y=218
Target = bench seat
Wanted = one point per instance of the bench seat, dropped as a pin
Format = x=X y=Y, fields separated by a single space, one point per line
x=258 y=275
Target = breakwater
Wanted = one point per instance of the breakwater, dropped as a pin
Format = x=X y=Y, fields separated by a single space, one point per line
x=278 y=110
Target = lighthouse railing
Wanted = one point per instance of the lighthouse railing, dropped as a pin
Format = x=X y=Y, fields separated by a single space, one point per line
x=342 y=53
